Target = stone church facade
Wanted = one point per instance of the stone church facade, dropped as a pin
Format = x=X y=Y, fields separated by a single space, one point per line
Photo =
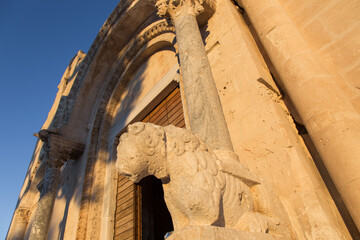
x=269 y=93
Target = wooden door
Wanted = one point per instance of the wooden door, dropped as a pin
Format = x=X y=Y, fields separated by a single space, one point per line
x=141 y=212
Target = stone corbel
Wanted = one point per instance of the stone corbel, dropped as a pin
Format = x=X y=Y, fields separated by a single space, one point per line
x=56 y=150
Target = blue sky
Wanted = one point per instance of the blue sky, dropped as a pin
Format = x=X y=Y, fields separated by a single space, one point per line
x=37 y=40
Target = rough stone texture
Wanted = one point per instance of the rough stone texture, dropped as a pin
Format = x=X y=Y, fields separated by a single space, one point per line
x=261 y=126
x=45 y=206
x=262 y=130
x=199 y=188
x=331 y=27
x=217 y=233
x=57 y=150
x=206 y=117
x=330 y=118
x=22 y=216
x=115 y=100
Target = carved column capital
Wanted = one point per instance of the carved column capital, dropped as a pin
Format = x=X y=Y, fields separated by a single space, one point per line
x=57 y=149
x=22 y=214
x=171 y=9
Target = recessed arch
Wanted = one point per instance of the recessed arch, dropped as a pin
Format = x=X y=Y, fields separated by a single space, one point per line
x=152 y=39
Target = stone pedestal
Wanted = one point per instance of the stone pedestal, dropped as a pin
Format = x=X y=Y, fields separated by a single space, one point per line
x=217 y=233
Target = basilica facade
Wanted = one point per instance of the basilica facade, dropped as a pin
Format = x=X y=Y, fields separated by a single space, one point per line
x=263 y=95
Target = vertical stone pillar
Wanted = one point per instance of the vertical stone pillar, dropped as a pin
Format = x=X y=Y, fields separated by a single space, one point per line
x=205 y=112
x=330 y=118
x=57 y=150
x=21 y=219
x=45 y=206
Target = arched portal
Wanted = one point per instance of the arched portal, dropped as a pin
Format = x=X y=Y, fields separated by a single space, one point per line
x=144 y=75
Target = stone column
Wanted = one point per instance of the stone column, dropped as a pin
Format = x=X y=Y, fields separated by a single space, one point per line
x=21 y=219
x=205 y=112
x=57 y=150
x=45 y=206
x=330 y=118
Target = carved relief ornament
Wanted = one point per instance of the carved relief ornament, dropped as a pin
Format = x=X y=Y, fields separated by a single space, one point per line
x=171 y=9
x=22 y=214
x=200 y=189
x=57 y=149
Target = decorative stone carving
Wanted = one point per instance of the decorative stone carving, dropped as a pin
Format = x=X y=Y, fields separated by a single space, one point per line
x=200 y=189
x=111 y=97
x=22 y=214
x=171 y=9
x=206 y=117
x=56 y=150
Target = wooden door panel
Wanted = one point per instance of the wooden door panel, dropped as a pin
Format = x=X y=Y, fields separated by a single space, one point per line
x=129 y=207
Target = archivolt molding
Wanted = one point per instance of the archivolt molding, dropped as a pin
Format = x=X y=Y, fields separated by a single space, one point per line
x=139 y=49
x=128 y=55
x=66 y=103
x=143 y=45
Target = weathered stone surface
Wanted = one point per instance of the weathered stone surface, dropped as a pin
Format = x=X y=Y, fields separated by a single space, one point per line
x=57 y=150
x=199 y=188
x=217 y=233
x=45 y=206
x=206 y=117
x=172 y=10
x=330 y=118
x=101 y=89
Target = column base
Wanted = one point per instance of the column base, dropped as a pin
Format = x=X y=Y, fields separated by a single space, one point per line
x=218 y=233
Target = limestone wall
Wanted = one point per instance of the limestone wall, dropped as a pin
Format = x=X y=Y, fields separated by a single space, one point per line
x=332 y=28
x=262 y=130
x=144 y=79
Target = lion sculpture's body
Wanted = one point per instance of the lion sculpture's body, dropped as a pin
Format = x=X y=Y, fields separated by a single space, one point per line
x=197 y=188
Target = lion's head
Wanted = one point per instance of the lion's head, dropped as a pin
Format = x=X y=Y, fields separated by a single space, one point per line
x=141 y=152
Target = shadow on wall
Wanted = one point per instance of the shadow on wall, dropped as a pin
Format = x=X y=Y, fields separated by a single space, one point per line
x=60 y=117
x=344 y=212
x=97 y=155
x=82 y=182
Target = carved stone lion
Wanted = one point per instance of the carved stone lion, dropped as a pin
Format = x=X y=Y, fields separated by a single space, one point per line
x=199 y=188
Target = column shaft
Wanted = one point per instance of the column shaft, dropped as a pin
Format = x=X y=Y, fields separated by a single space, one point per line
x=331 y=120
x=18 y=226
x=45 y=206
x=205 y=112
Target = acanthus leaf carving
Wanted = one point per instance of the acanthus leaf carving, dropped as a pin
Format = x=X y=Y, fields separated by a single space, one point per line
x=171 y=9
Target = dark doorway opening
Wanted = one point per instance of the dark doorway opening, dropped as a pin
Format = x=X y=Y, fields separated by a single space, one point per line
x=155 y=217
